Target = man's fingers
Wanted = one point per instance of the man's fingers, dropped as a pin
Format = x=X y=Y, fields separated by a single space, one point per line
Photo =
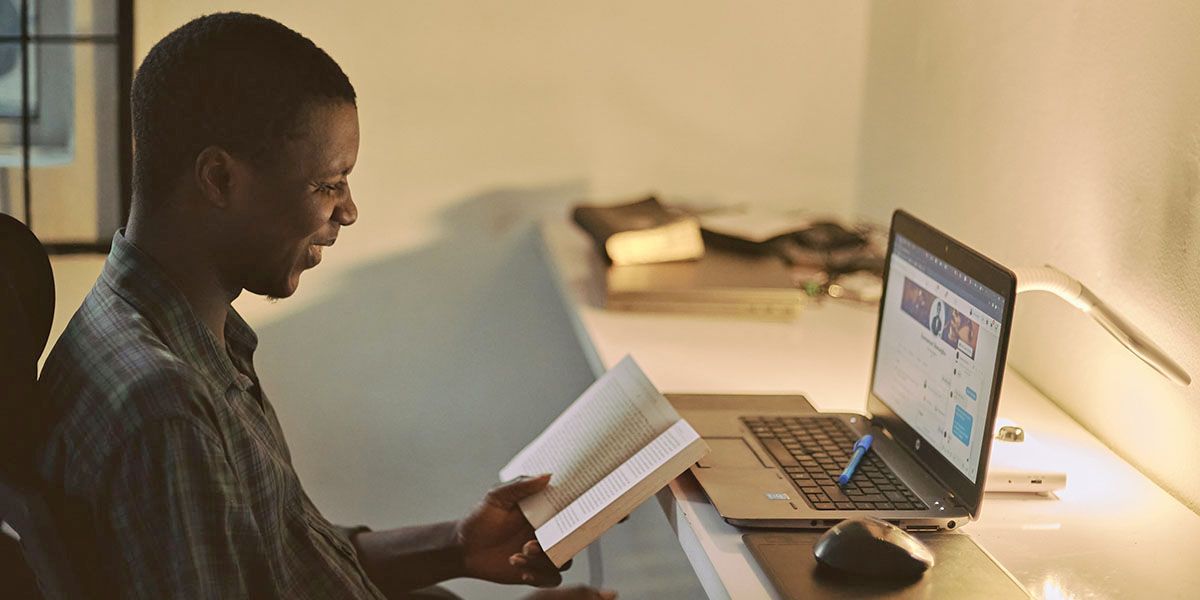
x=541 y=578
x=533 y=558
x=519 y=560
x=507 y=494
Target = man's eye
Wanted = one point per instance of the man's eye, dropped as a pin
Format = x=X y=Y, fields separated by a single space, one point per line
x=330 y=188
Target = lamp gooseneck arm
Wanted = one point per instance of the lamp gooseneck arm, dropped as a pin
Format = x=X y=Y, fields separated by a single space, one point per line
x=1049 y=279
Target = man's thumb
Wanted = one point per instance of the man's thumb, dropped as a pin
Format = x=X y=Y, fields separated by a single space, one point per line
x=508 y=493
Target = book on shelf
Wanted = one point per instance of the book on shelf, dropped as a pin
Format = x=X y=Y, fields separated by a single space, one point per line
x=609 y=451
x=722 y=283
x=641 y=232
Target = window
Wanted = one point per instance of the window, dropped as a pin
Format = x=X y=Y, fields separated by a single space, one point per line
x=65 y=146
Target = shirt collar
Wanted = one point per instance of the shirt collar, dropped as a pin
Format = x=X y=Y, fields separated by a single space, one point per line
x=141 y=282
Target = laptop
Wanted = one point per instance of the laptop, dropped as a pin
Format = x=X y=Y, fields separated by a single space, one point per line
x=940 y=347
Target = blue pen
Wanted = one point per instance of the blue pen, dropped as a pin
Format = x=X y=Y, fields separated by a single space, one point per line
x=860 y=450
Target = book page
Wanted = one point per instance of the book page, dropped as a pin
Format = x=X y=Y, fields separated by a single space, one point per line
x=641 y=465
x=611 y=421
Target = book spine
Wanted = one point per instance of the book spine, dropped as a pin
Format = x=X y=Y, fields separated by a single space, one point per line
x=592 y=220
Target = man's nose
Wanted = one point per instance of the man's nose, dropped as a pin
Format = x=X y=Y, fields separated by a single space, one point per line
x=347 y=212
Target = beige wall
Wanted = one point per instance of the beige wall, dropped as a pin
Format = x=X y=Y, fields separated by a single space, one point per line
x=714 y=100
x=1062 y=132
x=725 y=100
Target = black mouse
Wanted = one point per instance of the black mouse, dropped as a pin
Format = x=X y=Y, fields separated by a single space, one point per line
x=873 y=548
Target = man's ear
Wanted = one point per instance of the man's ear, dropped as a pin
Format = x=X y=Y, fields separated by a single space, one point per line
x=214 y=174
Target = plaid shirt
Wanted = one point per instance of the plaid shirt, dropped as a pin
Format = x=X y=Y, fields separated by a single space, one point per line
x=169 y=470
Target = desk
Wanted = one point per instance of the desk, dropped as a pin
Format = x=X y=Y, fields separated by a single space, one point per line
x=1111 y=533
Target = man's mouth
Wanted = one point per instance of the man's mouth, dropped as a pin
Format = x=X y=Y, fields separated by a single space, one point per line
x=315 y=249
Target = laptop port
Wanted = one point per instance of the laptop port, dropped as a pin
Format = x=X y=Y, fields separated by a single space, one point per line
x=921 y=528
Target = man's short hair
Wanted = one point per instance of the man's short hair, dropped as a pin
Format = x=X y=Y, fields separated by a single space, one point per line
x=233 y=80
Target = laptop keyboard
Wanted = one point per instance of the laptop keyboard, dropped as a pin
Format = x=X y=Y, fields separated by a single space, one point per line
x=814 y=450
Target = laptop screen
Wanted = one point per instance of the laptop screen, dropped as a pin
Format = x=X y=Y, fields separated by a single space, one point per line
x=937 y=352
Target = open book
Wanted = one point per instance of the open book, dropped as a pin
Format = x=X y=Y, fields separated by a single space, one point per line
x=614 y=447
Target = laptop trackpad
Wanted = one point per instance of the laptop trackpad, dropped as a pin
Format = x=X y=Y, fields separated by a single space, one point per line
x=730 y=453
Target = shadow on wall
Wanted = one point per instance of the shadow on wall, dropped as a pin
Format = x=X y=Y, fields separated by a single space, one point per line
x=405 y=390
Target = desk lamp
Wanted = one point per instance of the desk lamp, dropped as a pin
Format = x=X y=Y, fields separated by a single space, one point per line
x=1049 y=279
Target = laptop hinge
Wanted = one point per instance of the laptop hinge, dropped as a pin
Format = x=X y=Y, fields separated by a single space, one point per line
x=951 y=496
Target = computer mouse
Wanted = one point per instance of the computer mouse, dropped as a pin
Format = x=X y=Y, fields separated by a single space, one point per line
x=872 y=547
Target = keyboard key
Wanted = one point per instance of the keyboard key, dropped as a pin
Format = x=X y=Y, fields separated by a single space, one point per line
x=835 y=493
x=779 y=452
x=824 y=506
x=844 y=505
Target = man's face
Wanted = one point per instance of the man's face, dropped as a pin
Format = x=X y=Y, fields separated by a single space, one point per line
x=290 y=209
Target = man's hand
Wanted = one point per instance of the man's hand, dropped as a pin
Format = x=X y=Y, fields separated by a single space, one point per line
x=498 y=543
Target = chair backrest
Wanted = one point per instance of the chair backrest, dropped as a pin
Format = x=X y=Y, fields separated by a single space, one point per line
x=26 y=313
x=25 y=511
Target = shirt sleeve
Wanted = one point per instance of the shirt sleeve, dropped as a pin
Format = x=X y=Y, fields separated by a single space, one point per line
x=179 y=525
x=349 y=531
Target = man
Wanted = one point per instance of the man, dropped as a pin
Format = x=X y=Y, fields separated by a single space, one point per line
x=172 y=475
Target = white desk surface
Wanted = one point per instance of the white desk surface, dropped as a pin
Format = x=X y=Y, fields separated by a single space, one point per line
x=1111 y=533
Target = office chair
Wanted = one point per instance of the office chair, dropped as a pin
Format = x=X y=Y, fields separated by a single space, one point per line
x=26 y=312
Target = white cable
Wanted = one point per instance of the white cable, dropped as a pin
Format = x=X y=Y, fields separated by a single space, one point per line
x=1051 y=280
